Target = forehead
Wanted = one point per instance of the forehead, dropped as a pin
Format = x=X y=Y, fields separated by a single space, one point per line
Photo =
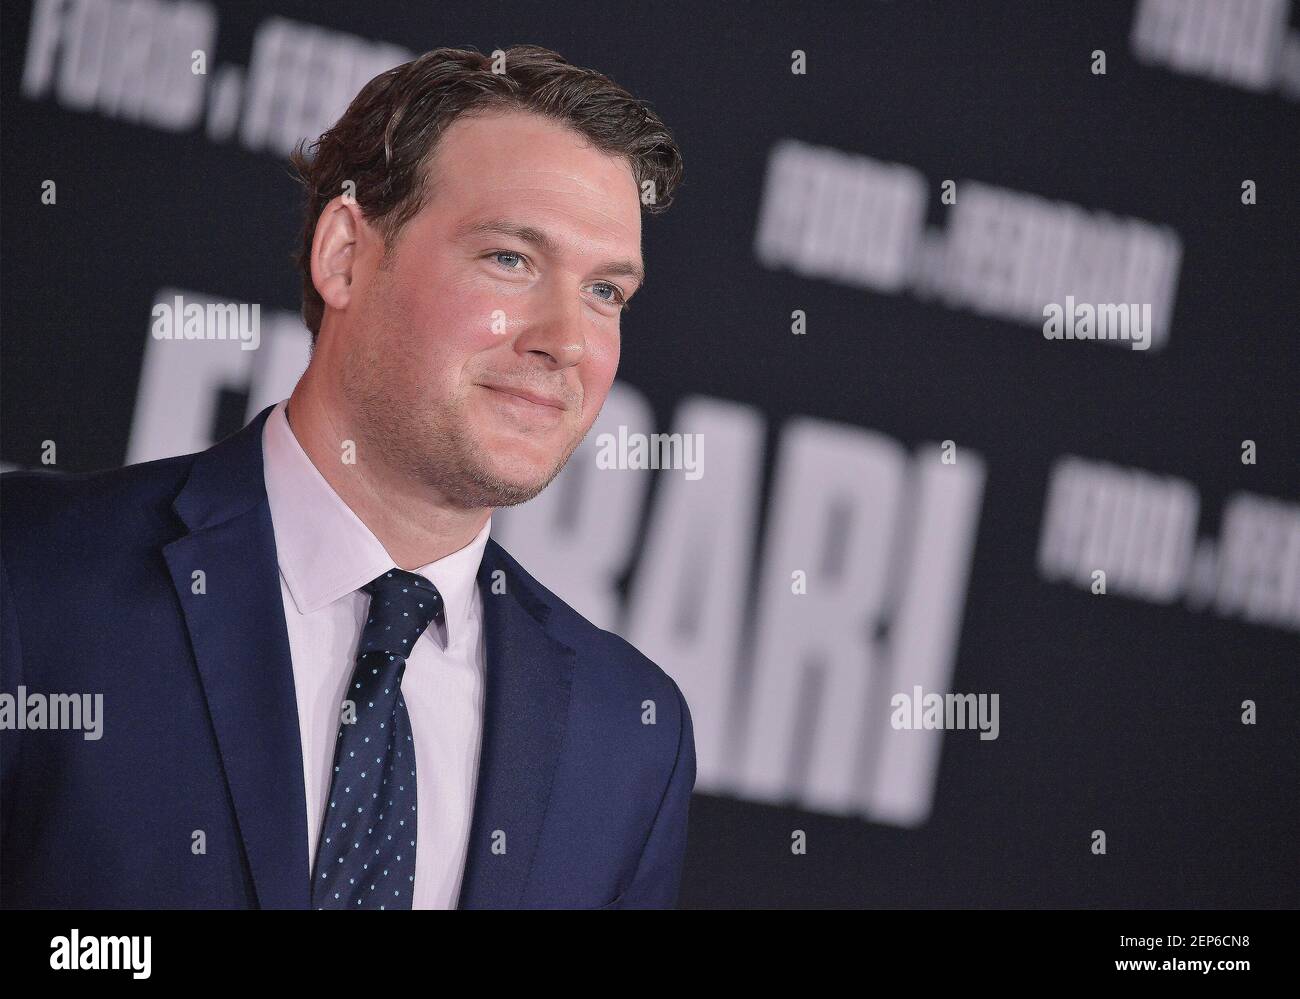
x=489 y=162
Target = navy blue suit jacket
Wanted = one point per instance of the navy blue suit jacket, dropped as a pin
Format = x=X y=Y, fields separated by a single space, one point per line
x=579 y=804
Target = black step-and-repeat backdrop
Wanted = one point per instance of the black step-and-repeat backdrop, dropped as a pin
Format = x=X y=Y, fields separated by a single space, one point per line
x=973 y=537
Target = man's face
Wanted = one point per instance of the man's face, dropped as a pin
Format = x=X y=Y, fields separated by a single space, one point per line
x=508 y=280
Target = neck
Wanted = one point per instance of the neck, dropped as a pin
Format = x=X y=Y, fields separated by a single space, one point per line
x=415 y=525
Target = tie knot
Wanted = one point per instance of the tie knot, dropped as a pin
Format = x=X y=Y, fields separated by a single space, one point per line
x=400 y=581
x=402 y=605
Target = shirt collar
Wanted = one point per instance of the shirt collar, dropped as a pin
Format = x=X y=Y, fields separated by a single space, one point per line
x=326 y=551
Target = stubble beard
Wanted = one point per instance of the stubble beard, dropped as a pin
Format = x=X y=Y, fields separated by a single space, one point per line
x=430 y=444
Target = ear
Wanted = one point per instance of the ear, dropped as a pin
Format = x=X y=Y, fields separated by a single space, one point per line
x=342 y=233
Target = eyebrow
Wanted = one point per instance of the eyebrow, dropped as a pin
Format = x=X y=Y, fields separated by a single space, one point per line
x=542 y=240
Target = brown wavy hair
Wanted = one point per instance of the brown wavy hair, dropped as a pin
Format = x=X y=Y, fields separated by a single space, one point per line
x=384 y=140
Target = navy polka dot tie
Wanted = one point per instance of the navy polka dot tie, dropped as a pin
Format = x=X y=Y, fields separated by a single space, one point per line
x=366 y=855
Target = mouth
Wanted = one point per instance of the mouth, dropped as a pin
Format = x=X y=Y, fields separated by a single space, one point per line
x=525 y=408
x=533 y=400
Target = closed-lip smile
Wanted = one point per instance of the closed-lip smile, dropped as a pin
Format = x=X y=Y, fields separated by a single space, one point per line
x=534 y=397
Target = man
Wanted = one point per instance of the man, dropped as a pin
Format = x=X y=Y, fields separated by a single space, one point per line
x=324 y=685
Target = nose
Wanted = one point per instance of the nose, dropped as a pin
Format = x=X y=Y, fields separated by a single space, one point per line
x=553 y=329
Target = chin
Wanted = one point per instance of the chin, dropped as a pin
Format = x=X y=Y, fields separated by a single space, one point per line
x=521 y=455
x=515 y=457
x=519 y=470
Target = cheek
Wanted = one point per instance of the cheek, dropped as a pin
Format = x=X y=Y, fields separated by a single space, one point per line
x=598 y=373
x=445 y=322
x=604 y=350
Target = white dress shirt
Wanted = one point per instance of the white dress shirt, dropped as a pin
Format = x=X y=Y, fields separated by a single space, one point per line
x=326 y=555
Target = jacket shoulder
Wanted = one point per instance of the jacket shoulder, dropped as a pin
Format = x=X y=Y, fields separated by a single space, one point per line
x=609 y=652
x=53 y=511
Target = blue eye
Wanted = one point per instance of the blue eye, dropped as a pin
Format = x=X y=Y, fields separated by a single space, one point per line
x=618 y=298
x=507 y=253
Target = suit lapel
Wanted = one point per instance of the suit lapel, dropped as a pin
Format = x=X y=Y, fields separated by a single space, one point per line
x=241 y=648
x=526 y=704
